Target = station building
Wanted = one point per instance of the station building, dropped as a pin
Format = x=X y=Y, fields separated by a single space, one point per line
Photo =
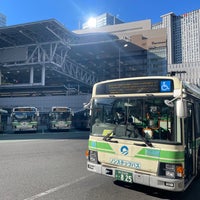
x=43 y=64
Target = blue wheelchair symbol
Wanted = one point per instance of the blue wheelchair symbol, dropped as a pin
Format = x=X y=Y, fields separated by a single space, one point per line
x=165 y=86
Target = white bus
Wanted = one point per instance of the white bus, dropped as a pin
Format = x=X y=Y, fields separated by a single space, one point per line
x=60 y=118
x=146 y=130
x=24 y=119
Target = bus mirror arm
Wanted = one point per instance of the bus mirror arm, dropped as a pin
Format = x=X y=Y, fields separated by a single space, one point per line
x=87 y=105
x=170 y=102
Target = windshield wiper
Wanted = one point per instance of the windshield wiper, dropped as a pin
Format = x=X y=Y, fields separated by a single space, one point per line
x=144 y=139
x=108 y=138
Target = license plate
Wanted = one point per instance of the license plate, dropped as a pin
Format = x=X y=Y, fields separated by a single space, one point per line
x=123 y=176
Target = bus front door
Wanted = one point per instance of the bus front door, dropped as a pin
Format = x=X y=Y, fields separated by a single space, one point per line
x=189 y=143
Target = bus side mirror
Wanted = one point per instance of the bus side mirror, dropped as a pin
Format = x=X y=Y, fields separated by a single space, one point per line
x=181 y=108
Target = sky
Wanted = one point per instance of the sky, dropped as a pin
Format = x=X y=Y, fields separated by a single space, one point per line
x=72 y=13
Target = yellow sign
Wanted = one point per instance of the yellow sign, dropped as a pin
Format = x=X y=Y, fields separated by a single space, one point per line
x=106 y=132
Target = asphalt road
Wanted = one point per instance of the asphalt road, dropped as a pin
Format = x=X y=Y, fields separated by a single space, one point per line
x=52 y=166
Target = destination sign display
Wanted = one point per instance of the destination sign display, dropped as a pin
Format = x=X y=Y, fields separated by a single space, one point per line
x=61 y=109
x=25 y=109
x=136 y=86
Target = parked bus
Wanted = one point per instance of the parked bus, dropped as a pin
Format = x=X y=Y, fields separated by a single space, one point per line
x=81 y=119
x=60 y=118
x=146 y=130
x=3 y=119
x=24 y=119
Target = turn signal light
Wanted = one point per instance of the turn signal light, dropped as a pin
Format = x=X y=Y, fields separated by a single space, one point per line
x=179 y=171
x=87 y=153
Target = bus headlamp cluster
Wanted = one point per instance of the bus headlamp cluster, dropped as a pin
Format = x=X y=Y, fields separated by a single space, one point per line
x=171 y=170
x=174 y=171
x=93 y=156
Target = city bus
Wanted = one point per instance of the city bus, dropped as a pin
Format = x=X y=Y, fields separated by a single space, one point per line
x=146 y=130
x=81 y=119
x=60 y=118
x=3 y=119
x=24 y=119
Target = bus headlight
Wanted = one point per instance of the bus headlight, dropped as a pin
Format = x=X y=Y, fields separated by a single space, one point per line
x=170 y=170
x=93 y=156
x=170 y=174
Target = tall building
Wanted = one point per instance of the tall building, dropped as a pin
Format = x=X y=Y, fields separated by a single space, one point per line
x=103 y=20
x=183 y=44
x=2 y=20
x=183 y=36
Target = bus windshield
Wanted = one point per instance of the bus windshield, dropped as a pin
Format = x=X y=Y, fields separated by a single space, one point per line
x=57 y=116
x=134 y=118
x=24 y=116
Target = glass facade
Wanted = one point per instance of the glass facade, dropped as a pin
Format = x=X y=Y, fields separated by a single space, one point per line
x=183 y=37
x=2 y=20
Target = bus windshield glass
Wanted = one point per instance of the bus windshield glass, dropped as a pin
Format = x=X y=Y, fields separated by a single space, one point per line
x=57 y=116
x=134 y=118
x=24 y=116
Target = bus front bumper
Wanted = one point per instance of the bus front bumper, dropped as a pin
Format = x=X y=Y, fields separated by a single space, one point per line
x=60 y=128
x=25 y=128
x=175 y=185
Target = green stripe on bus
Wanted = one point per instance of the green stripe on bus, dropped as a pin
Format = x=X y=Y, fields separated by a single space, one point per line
x=161 y=155
x=144 y=153
x=161 y=159
x=100 y=146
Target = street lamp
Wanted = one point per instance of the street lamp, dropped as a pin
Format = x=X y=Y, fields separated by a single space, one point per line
x=119 y=59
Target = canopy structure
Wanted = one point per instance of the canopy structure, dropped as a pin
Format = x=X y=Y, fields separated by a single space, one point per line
x=46 y=54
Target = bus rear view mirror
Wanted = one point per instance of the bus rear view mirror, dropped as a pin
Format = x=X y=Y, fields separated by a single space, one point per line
x=181 y=108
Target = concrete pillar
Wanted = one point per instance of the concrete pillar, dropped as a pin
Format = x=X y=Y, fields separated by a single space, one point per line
x=31 y=75
x=43 y=75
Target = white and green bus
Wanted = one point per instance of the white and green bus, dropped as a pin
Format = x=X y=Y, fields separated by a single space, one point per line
x=146 y=130
x=24 y=119
x=60 y=118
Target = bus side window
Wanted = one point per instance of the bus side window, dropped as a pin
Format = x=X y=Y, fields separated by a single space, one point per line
x=197 y=118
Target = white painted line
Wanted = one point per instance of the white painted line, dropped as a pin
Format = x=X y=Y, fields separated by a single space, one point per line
x=56 y=188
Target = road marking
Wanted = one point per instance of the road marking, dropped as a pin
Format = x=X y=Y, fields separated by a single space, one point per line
x=57 y=188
